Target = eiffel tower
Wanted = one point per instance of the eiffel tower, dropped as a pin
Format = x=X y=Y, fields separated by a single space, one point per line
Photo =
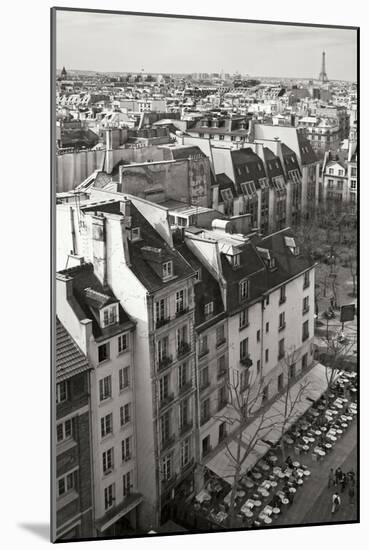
x=323 y=75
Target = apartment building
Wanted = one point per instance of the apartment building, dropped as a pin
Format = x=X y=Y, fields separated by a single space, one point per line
x=74 y=484
x=106 y=335
x=154 y=284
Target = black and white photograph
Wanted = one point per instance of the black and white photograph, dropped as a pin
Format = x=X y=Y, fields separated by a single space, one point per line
x=205 y=195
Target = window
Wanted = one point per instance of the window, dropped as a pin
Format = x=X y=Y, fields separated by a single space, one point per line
x=235 y=260
x=353 y=172
x=64 y=430
x=180 y=301
x=203 y=345
x=163 y=345
x=109 y=496
x=222 y=397
x=165 y=427
x=135 y=234
x=353 y=184
x=161 y=310
x=206 y=445
x=306 y=279
x=258 y=336
x=108 y=460
x=330 y=184
x=280 y=382
x=265 y=394
x=244 y=289
x=266 y=355
x=127 y=484
x=267 y=300
x=282 y=294
x=244 y=318
x=125 y=414
x=110 y=316
x=184 y=410
x=62 y=391
x=221 y=366
x=292 y=371
x=304 y=361
x=258 y=366
x=123 y=342
x=281 y=348
x=227 y=194
x=163 y=387
x=340 y=172
x=244 y=379
x=209 y=308
x=124 y=378
x=222 y=431
x=66 y=483
x=205 y=410
x=167 y=468
x=220 y=336
x=204 y=377
x=305 y=304
x=126 y=449
x=244 y=348
x=266 y=327
x=105 y=388
x=107 y=425
x=282 y=321
x=182 y=375
x=198 y=276
x=167 y=270
x=103 y=352
x=305 y=331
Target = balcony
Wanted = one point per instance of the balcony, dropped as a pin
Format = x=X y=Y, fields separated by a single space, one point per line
x=186 y=427
x=182 y=311
x=166 y=400
x=185 y=387
x=165 y=362
x=183 y=349
x=221 y=342
x=246 y=361
x=221 y=373
x=203 y=352
x=161 y=322
x=168 y=442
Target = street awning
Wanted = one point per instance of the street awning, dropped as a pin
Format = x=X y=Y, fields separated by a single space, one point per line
x=255 y=435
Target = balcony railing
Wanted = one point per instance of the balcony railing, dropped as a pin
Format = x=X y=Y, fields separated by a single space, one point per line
x=161 y=322
x=166 y=400
x=185 y=387
x=186 y=427
x=183 y=349
x=220 y=342
x=181 y=311
x=165 y=361
x=221 y=373
x=203 y=352
x=246 y=361
x=168 y=442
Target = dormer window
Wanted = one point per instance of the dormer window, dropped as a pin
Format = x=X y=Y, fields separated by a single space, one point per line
x=248 y=188
x=290 y=242
x=167 y=270
x=263 y=183
x=135 y=234
x=198 y=277
x=209 y=308
x=110 y=315
x=227 y=194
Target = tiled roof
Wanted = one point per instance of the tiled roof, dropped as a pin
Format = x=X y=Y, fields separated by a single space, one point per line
x=225 y=182
x=250 y=165
x=307 y=153
x=186 y=152
x=70 y=360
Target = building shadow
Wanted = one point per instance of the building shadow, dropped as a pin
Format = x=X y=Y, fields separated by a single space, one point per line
x=42 y=530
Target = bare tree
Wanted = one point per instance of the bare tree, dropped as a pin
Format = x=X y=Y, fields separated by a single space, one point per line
x=290 y=400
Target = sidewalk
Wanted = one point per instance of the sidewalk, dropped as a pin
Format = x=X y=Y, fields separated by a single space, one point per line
x=312 y=503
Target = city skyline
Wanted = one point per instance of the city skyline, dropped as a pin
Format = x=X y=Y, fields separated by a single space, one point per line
x=82 y=45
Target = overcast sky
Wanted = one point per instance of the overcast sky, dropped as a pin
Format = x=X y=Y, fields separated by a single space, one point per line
x=122 y=43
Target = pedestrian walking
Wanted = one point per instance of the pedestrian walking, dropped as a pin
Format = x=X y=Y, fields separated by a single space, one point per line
x=343 y=482
x=336 y=503
x=338 y=476
x=330 y=478
x=351 y=493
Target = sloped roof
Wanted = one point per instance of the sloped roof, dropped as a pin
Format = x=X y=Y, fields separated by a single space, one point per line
x=307 y=153
x=70 y=360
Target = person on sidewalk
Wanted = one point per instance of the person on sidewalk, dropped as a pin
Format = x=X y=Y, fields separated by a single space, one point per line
x=331 y=478
x=338 y=476
x=336 y=503
x=343 y=482
x=351 y=493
